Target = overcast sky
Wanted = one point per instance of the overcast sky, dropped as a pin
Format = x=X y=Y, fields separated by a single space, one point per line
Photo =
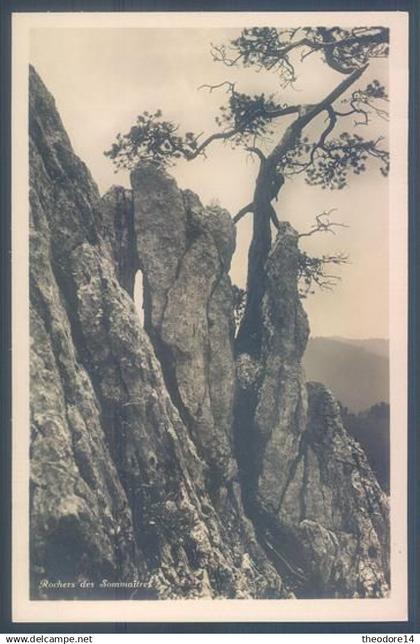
x=103 y=78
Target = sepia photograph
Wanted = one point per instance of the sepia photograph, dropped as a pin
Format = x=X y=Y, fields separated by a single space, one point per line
x=210 y=308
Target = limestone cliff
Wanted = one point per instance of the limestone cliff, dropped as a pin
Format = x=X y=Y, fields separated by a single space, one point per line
x=154 y=457
x=185 y=252
x=119 y=491
x=313 y=498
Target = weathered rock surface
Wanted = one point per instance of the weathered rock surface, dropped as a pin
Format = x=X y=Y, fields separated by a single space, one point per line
x=137 y=432
x=343 y=515
x=81 y=523
x=118 y=489
x=185 y=252
x=314 y=500
x=116 y=225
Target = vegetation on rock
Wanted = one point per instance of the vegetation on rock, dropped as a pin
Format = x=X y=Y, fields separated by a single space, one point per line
x=325 y=156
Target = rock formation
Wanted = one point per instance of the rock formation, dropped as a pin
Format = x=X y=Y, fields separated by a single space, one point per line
x=312 y=495
x=119 y=491
x=116 y=225
x=185 y=252
x=154 y=458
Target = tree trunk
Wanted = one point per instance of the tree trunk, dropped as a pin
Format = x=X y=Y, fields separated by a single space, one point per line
x=267 y=187
x=249 y=335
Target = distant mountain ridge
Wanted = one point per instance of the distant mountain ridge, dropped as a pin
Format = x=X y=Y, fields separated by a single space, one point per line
x=356 y=370
x=377 y=346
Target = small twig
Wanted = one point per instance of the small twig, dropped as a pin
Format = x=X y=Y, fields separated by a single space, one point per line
x=230 y=85
x=323 y=224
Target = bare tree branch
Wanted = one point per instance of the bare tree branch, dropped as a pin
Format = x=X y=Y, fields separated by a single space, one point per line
x=211 y=88
x=243 y=211
x=323 y=224
x=307 y=114
x=269 y=48
x=311 y=271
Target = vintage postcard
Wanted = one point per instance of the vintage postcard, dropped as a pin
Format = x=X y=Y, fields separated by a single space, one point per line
x=210 y=316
